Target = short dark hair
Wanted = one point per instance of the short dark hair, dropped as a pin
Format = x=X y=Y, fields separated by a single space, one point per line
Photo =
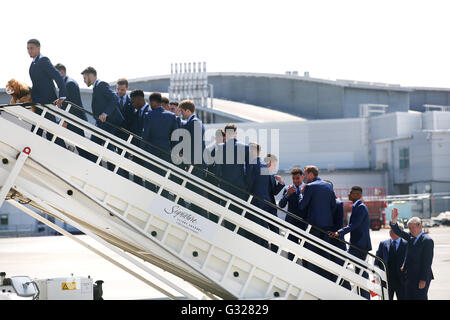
x=122 y=81
x=35 y=42
x=174 y=103
x=137 y=93
x=155 y=96
x=89 y=70
x=60 y=66
x=313 y=169
x=230 y=126
x=296 y=170
x=187 y=105
x=164 y=100
x=357 y=189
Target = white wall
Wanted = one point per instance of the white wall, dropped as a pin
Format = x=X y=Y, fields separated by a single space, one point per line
x=436 y=120
x=341 y=143
x=440 y=146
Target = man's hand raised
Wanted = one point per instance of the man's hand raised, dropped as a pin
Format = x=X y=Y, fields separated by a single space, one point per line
x=279 y=179
x=394 y=216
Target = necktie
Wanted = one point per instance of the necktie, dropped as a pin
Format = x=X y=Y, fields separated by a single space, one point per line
x=391 y=257
x=121 y=102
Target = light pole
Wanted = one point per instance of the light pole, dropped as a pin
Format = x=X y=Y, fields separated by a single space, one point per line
x=428 y=190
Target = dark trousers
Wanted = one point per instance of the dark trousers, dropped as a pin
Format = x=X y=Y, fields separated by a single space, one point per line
x=291 y=237
x=124 y=136
x=341 y=245
x=395 y=286
x=100 y=141
x=412 y=291
x=263 y=223
x=296 y=240
x=362 y=256
x=83 y=153
x=197 y=171
x=253 y=237
x=311 y=266
x=49 y=136
x=137 y=179
x=238 y=194
x=147 y=184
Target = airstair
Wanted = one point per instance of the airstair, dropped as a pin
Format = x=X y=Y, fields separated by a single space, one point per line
x=160 y=225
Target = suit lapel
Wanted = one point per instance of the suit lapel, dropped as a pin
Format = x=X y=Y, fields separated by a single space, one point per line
x=32 y=66
x=141 y=118
x=418 y=239
x=353 y=211
x=34 y=63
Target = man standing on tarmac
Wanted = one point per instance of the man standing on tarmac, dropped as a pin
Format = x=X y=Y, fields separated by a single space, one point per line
x=393 y=253
x=418 y=260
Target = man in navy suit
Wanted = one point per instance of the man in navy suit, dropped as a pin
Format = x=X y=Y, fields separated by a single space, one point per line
x=141 y=108
x=318 y=204
x=419 y=258
x=125 y=104
x=359 y=228
x=105 y=108
x=137 y=122
x=338 y=223
x=42 y=74
x=210 y=153
x=73 y=95
x=232 y=158
x=159 y=124
x=263 y=184
x=105 y=105
x=127 y=110
x=195 y=133
x=191 y=148
x=291 y=197
x=393 y=253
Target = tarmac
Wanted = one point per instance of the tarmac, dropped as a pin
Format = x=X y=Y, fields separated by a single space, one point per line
x=59 y=256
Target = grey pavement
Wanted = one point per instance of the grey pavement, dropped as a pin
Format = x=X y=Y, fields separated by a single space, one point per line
x=58 y=256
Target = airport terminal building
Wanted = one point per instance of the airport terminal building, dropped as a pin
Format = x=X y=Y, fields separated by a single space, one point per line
x=356 y=133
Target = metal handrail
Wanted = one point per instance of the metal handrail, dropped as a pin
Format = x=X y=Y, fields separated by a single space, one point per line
x=119 y=142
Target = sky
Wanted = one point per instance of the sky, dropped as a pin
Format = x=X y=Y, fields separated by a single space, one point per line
x=395 y=41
